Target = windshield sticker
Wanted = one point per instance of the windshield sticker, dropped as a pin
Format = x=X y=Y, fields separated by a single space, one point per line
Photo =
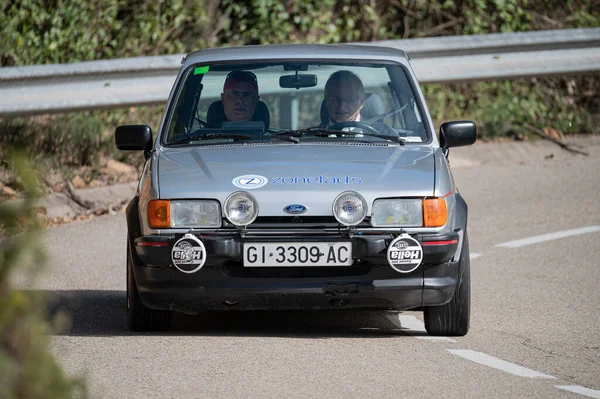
x=413 y=139
x=201 y=70
x=188 y=254
x=317 y=180
x=250 y=182
x=404 y=254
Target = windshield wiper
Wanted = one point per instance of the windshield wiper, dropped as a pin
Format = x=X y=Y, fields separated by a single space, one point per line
x=396 y=139
x=290 y=135
x=307 y=132
x=209 y=136
x=328 y=132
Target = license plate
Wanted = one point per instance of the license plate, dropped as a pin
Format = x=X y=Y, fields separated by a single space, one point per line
x=297 y=254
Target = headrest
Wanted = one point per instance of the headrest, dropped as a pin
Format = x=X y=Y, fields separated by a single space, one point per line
x=216 y=114
x=373 y=107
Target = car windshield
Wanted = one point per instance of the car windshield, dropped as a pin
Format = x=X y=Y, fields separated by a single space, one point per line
x=295 y=102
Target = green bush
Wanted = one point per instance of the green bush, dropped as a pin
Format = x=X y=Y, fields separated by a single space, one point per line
x=61 y=31
x=72 y=139
x=27 y=366
x=501 y=108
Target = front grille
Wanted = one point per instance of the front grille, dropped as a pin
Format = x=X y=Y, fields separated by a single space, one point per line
x=296 y=222
x=295 y=219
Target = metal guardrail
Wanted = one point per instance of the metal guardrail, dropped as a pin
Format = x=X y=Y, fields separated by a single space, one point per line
x=89 y=85
x=448 y=46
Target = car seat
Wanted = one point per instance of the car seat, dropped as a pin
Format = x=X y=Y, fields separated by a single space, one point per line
x=215 y=115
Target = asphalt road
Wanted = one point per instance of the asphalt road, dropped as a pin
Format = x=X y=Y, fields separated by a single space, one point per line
x=535 y=322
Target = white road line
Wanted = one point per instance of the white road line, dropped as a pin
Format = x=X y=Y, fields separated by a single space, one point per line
x=499 y=364
x=474 y=255
x=592 y=393
x=547 y=237
x=415 y=327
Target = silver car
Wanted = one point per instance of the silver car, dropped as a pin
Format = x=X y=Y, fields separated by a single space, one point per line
x=272 y=185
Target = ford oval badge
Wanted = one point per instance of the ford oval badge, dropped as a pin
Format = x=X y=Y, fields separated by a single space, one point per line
x=295 y=209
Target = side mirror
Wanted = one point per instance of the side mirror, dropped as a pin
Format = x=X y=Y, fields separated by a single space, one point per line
x=457 y=134
x=134 y=137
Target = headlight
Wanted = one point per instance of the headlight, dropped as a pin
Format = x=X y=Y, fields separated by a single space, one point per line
x=193 y=213
x=241 y=208
x=349 y=208
x=397 y=213
x=164 y=214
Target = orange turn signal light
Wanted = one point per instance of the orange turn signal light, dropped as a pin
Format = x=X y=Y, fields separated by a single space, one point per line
x=435 y=213
x=159 y=214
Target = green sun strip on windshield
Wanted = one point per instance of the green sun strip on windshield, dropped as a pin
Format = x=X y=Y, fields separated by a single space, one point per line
x=201 y=70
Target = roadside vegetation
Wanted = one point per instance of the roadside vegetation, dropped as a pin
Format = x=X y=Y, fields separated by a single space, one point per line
x=71 y=151
x=77 y=148
x=28 y=368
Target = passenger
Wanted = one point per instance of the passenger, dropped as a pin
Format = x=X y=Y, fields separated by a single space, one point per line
x=240 y=96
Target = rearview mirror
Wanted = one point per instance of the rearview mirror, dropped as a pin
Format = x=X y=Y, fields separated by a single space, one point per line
x=297 y=81
x=457 y=134
x=133 y=137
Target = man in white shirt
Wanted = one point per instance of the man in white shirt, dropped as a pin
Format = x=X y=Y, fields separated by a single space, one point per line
x=344 y=98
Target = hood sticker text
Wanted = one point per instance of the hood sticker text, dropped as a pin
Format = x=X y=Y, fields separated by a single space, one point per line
x=317 y=180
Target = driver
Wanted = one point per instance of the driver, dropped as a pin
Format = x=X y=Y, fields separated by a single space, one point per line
x=344 y=99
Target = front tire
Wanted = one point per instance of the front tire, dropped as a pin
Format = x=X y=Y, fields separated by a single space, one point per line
x=452 y=319
x=139 y=317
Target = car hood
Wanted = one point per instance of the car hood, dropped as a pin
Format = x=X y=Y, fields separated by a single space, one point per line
x=310 y=175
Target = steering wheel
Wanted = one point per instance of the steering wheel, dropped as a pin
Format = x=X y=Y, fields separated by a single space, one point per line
x=359 y=125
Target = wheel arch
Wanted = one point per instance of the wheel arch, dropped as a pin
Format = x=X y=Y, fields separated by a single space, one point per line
x=134 y=228
x=461 y=215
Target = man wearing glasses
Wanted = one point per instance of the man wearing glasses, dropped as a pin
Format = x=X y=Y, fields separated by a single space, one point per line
x=344 y=98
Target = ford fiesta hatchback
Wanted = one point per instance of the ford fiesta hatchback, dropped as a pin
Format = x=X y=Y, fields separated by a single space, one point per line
x=297 y=176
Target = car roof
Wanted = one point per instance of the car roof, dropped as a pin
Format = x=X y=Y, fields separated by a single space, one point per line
x=305 y=52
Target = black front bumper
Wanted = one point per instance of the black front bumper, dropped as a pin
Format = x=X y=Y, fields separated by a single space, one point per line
x=224 y=283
